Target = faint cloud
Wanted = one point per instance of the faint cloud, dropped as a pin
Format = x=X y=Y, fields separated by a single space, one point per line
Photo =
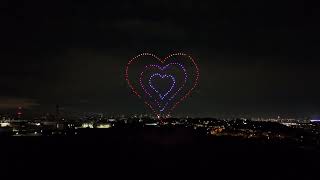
x=13 y=102
x=145 y=28
x=84 y=101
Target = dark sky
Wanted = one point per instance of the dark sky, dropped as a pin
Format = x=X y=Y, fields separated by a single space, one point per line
x=256 y=57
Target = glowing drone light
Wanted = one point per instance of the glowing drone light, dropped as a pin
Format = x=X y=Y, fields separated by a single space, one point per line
x=162 y=97
x=162 y=77
x=163 y=68
x=147 y=67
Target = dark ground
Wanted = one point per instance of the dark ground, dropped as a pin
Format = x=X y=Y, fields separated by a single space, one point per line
x=153 y=153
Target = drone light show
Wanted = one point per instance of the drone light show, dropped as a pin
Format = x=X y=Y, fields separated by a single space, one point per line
x=162 y=84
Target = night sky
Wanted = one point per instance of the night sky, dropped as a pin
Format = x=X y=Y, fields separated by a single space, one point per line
x=256 y=57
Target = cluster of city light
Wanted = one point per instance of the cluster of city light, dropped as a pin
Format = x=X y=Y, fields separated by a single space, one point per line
x=5 y=124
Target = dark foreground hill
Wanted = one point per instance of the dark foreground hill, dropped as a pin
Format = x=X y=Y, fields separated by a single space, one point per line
x=154 y=153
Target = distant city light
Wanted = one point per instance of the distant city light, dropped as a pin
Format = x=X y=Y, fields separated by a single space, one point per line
x=4 y=124
x=87 y=125
x=151 y=124
x=315 y=120
x=104 y=126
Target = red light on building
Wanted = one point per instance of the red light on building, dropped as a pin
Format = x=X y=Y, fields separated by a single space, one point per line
x=19 y=112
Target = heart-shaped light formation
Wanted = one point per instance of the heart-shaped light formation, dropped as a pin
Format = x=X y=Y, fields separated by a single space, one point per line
x=162 y=77
x=183 y=74
x=162 y=108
